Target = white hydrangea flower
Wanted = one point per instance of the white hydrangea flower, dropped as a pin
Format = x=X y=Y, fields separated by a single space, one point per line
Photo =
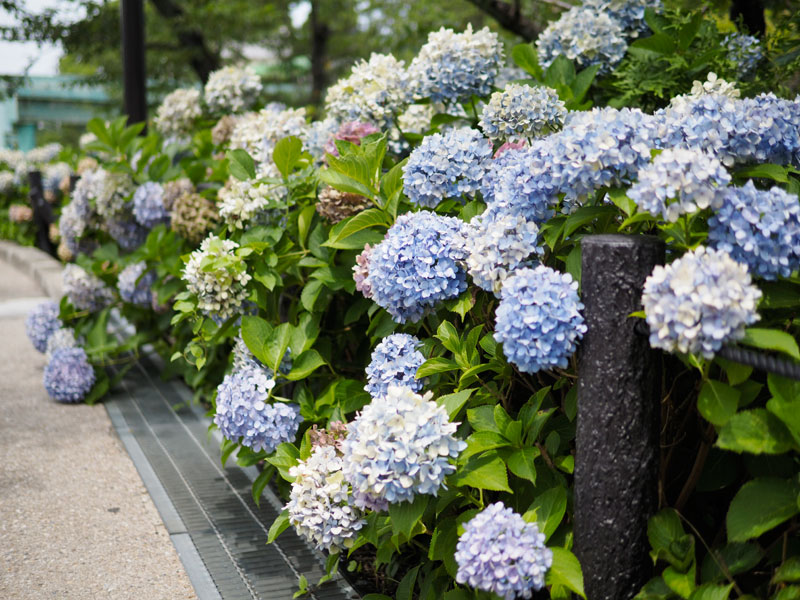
x=374 y=92
x=232 y=89
x=712 y=85
x=521 y=112
x=259 y=132
x=319 y=505
x=241 y=201
x=217 y=276
x=178 y=112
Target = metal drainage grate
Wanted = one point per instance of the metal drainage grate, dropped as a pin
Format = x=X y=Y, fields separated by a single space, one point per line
x=208 y=511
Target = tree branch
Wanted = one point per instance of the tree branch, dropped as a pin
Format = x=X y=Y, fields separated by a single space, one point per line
x=509 y=18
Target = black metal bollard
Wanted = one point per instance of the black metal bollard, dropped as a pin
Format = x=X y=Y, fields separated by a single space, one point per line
x=617 y=440
x=42 y=213
x=132 y=25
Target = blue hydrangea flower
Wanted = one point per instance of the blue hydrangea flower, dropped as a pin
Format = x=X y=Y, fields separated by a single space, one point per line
x=395 y=362
x=400 y=445
x=148 y=205
x=454 y=66
x=745 y=52
x=41 y=323
x=126 y=232
x=538 y=320
x=760 y=229
x=679 y=182
x=68 y=377
x=628 y=13
x=243 y=412
x=699 y=302
x=446 y=166
x=135 y=285
x=522 y=112
x=585 y=37
x=418 y=265
x=84 y=290
x=60 y=338
x=497 y=247
x=499 y=552
x=496 y=168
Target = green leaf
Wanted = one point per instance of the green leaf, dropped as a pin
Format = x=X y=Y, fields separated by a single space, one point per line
x=525 y=57
x=583 y=81
x=406 y=585
x=461 y=305
x=709 y=591
x=621 y=201
x=405 y=515
x=485 y=472
x=285 y=457
x=788 y=572
x=689 y=32
x=657 y=43
x=759 y=506
x=279 y=525
x=682 y=583
x=566 y=571
x=287 y=154
x=771 y=339
x=481 y=441
x=260 y=483
x=345 y=183
x=717 y=402
x=668 y=540
x=548 y=510
x=736 y=558
x=454 y=402
x=241 y=164
x=310 y=294
x=655 y=589
x=392 y=187
x=443 y=544
x=584 y=215
x=305 y=364
x=560 y=72
x=521 y=463
x=436 y=364
x=158 y=167
x=372 y=217
x=482 y=419
x=767 y=171
x=99 y=389
x=756 y=431
x=255 y=333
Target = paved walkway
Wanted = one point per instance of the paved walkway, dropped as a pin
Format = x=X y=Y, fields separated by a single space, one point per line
x=75 y=520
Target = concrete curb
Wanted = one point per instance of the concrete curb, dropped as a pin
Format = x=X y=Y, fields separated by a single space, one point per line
x=43 y=268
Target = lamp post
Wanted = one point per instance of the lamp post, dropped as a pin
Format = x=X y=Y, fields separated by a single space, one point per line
x=133 y=66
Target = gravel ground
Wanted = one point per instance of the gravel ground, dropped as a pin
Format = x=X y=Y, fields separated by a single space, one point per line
x=75 y=520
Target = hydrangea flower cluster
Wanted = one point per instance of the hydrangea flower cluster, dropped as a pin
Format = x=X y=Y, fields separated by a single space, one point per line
x=399 y=446
x=242 y=201
x=497 y=247
x=628 y=13
x=172 y=190
x=597 y=148
x=134 y=284
x=20 y=213
x=52 y=177
x=84 y=290
x=501 y=553
x=222 y=131
x=503 y=157
x=446 y=165
x=232 y=89
x=43 y=154
x=760 y=229
x=761 y=129
x=454 y=66
x=258 y=133
x=335 y=206
x=60 y=338
x=699 y=302
x=538 y=320
x=375 y=91
x=745 y=52
x=320 y=501
x=42 y=321
x=361 y=272
x=585 y=37
x=148 y=205
x=217 y=276
x=7 y=182
x=522 y=112
x=418 y=264
x=353 y=132
x=193 y=216
x=395 y=362
x=317 y=135
x=679 y=182
x=68 y=377
x=110 y=192
x=243 y=412
x=178 y=112
x=126 y=231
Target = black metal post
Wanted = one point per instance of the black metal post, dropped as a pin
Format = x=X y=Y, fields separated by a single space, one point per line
x=617 y=440
x=42 y=213
x=132 y=26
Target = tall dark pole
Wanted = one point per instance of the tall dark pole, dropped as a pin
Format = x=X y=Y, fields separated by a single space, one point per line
x=617 y=439
x=42 y=213
x=132 y=20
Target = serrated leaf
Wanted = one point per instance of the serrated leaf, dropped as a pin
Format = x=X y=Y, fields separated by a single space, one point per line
x=759 y=506
x=287 y=153
x=372 y=217
x=548 y=510
x=717 y=402
x=436 y=364
x=241 y=164
x=255 y=333
x=405 y=515
x=560 y=72
x=657 y=43
x=756 y=431
x=788 y=572
x=486 y=472
x=709 y=591
x=279 y=525
x=766 y=171
x=771 y=339
x=566 y=571
x=525 y=57
x=454 y=402
x=305 y=364
x=260 y=483
x=583 y=81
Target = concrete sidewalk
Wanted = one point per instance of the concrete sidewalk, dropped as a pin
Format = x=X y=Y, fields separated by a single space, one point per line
x=75 y=519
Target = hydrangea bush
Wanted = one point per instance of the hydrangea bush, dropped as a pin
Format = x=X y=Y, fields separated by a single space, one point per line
x=382 y=306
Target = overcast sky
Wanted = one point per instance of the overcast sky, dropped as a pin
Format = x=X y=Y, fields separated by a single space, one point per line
x=15 y=57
